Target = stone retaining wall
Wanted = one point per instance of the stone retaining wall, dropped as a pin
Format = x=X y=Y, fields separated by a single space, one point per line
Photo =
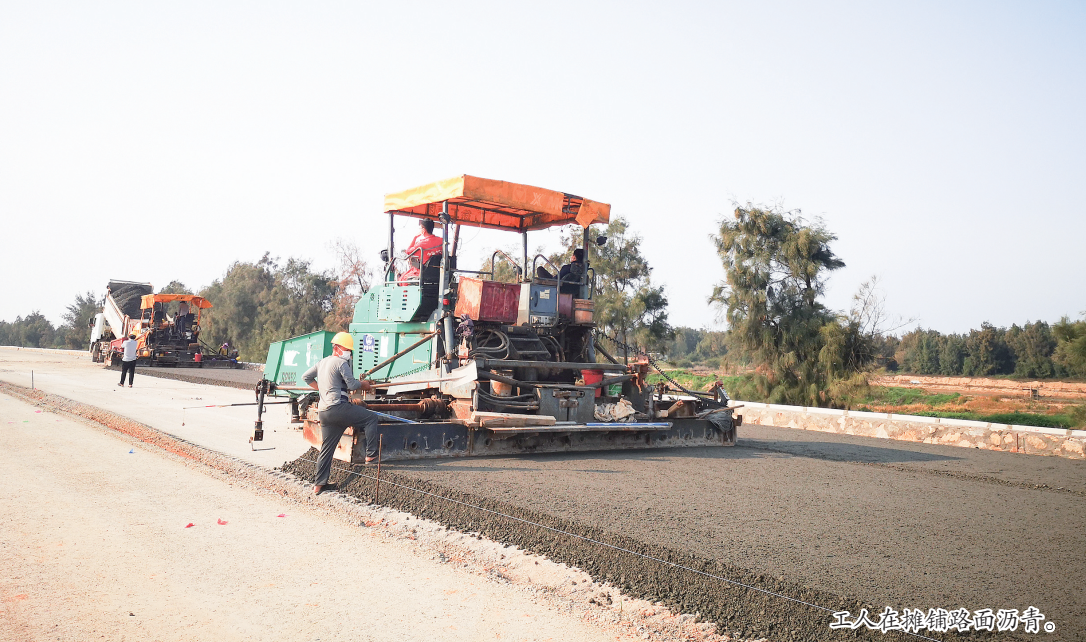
x=928 y=430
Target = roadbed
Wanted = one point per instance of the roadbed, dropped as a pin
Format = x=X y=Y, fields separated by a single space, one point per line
x=735 y=536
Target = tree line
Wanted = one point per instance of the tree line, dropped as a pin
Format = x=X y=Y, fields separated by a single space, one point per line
x=1034 y=350
x=792 y=349
x=36 y=331
x=255 y=304
x=789 y=347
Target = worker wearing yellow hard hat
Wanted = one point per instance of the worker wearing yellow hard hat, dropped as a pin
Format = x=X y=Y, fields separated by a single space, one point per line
x=343 y=340
x=333 y=377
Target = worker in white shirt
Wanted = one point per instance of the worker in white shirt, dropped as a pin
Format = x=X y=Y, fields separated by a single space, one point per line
x=128 y=361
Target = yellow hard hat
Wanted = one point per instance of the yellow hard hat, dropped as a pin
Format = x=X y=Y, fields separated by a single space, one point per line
x=344 y=340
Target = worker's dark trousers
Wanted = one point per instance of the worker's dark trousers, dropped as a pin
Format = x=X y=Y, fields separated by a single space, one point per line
x=128 y=367
x=334 y=421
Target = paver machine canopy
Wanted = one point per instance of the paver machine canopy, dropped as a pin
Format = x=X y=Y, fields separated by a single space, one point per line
x=480 y=202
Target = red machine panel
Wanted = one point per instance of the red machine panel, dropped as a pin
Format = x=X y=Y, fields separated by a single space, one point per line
x=565 y=305
x=488 y=300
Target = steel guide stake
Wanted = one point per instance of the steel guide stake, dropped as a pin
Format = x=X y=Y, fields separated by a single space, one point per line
x=377 y=492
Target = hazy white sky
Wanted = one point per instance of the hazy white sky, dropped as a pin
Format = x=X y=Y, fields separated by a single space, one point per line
x=944 y=143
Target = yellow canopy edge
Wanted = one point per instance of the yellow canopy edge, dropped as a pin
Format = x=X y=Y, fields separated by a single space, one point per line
x=149 y=300
x=482 y=202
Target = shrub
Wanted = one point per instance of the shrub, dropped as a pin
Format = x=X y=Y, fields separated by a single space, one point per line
x=1077 y=414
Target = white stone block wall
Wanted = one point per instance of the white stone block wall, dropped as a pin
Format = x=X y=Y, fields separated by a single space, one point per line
x=929 y=430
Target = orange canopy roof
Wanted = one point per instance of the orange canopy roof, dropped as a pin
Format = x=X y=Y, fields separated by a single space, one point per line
x=149 y=300
x=481 y=202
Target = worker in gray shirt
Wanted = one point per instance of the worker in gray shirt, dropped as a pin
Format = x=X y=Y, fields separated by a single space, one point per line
x=334 y=378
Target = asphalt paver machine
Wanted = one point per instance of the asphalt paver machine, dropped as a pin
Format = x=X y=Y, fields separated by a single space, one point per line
x=465 y=364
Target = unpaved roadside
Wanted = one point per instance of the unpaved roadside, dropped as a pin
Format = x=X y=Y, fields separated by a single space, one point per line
x=1054 y=390
x=94 y=545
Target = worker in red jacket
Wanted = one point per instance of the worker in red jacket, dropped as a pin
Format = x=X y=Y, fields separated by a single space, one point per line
x=423 y=246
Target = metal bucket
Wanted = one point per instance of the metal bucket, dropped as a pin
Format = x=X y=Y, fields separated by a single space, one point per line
x=593 y=377
x=583 y=310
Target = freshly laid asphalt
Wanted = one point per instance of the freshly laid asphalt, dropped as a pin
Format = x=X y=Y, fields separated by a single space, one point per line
x=886 y=523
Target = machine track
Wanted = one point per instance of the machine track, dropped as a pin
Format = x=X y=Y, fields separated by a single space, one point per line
x=241 y=378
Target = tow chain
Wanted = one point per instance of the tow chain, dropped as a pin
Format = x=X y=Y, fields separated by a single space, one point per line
x=652 y=362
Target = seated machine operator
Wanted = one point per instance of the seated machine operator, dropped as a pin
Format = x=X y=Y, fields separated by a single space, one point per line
x=572 y=272
x=423 y=246
x=183 y=319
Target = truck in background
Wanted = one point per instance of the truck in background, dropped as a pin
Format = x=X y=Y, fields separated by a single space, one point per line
x=163 y=339
x=119 y=317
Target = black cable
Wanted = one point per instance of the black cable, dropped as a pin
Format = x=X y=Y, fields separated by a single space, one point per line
x=484 y=347
x=560 y=354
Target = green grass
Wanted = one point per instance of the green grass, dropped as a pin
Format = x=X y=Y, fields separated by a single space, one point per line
x=1013 y=418
x=1029 y=419
x=695 y=381
x=891 y=396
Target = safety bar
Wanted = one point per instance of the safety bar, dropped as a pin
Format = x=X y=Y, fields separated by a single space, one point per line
x=392 y=263
x=493 y=265
x=557 y=272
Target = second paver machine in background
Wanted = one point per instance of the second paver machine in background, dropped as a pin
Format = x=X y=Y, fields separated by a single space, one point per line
x=469 y=365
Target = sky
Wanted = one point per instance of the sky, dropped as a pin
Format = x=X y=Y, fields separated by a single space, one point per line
x=944 y=144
